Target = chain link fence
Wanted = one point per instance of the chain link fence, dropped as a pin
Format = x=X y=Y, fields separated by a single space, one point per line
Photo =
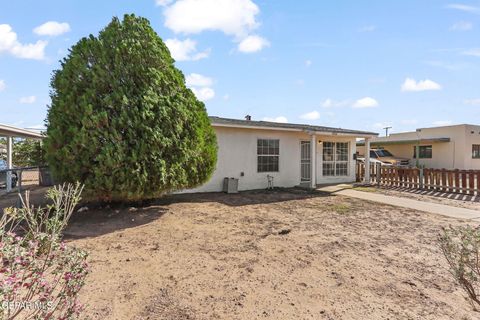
x=18 y=179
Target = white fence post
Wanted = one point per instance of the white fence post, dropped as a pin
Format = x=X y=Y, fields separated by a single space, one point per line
x=379 y=173
x=420 y=183
x=9 y=163
x=366 y=179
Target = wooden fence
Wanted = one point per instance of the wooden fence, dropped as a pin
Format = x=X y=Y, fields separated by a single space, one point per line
x=452 y=181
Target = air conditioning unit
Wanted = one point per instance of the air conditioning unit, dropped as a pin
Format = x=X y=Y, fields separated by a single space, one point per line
x=230 y=185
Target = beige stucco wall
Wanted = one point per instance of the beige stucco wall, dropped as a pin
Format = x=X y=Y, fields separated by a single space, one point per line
x=456 y=154
x=472 y=136
x=237 y=153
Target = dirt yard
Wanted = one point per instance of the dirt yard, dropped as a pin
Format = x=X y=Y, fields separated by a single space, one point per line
x=266 y=255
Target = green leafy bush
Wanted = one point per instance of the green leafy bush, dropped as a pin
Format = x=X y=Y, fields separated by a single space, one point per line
x=461 y=248
x=28 y=153
x=122 y=120
x=40 y=276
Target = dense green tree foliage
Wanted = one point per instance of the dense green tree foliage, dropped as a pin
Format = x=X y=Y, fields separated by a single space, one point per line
x=26 y=152
x=122 y=121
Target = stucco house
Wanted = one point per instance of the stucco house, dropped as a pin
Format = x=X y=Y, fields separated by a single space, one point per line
x=448 y=147
x=288 y=154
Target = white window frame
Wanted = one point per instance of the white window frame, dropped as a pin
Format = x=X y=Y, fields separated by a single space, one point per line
x=334 y=171
x=268 y=155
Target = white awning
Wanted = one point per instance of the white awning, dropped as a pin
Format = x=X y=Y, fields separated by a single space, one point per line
x=11 y=131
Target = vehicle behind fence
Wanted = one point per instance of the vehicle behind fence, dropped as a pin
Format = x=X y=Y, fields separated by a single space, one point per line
x=453 y=181
x=17 y=179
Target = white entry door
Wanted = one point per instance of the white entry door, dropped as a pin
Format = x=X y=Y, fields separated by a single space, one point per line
x=305 y=161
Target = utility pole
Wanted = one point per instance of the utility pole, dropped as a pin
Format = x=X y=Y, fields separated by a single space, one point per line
x=386 y=131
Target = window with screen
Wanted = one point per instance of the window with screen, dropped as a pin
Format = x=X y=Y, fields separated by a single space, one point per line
x=268 y=153
x=476 y=151
x=335 y=159
x=425 y=152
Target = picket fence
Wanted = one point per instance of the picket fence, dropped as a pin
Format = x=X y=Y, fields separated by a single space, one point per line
x=452 y=181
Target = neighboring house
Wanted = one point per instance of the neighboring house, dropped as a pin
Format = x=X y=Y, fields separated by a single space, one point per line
x=252 y=150
x=449 y=147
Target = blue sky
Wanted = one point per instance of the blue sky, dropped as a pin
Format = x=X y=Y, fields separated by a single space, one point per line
x=351 y=64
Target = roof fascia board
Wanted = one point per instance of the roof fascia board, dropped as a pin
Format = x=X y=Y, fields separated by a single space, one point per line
x=324 y=133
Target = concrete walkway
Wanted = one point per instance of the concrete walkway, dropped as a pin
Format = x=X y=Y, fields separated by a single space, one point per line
x=449 y=211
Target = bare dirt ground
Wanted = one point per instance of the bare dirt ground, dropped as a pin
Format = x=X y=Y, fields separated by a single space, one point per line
x=450 y=199
x=265 y=255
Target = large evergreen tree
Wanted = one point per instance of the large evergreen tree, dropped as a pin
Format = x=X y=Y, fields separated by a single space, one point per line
x=122 y=120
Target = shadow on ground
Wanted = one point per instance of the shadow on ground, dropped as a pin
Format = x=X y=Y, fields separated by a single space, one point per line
x=37 y=197
x=100 y=221
x=92 y=220
x=244 y=198
x=435 y=193
x=95 y=219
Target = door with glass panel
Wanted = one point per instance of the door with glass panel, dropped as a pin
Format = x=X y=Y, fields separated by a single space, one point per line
x=305 y=161
x=335 y=159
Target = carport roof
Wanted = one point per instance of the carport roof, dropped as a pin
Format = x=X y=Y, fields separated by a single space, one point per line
x=237 y=123
x=11 y=131
x=404 y=141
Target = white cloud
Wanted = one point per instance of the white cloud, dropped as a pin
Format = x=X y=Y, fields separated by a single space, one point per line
x=409 y=121
x=232 y=17
x=366 y=102
x=314 y=115
x=252 y=44
x=201 y=86
x=28 y=100
x=299 y=82
x=472 y=102
x=226 y=97
x=163 y=3
x=475 y=52
x=2 y=85
x=37 y=127
x=198 y=80
x=463 y=7
x=235 y=18
x=52 y=28
x=369 y=28
x=382 y=125
x=10 y=44
x=330 y=103
x=461 y=26
x=185 y=50
x=422 y=85
x=441 y=123
x=447 y=65
x=203 y=94
x=280 y=119
x=308 y=63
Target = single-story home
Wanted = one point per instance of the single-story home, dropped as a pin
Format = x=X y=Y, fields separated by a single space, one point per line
x=286 y=154
x=448 y=147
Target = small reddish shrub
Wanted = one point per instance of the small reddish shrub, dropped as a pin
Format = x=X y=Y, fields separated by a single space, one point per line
x=461 y=248
x=40 y=276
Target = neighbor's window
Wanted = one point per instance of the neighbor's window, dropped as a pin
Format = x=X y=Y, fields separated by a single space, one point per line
x=425 y=152
x=476 y=151
x=268 y=153
x=335 y=159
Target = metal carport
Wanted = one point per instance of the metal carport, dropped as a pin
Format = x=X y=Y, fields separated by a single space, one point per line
x=10 y=132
